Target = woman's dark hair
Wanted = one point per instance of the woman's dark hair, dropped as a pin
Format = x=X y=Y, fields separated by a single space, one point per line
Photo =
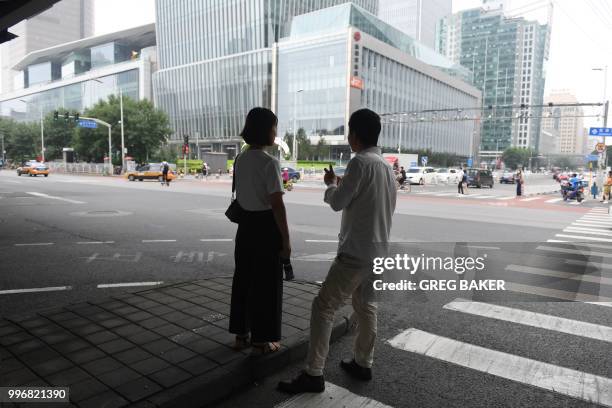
x=258 y=125
x=366 y=126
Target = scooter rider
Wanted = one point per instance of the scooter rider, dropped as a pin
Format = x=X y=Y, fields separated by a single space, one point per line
x=575 y=181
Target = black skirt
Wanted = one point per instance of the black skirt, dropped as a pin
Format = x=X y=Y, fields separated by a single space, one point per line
x=257 y=288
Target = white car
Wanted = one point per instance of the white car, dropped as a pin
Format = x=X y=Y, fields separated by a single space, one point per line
x=421 y=175
x=445 y=175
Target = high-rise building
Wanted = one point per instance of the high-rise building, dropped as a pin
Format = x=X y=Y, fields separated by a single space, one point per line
x=566 y=121
x=216 y=61
x=507 y=57
x=417 y=18
x=67 y=20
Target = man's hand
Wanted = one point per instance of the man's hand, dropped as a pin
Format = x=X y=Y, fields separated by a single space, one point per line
x=330 y=177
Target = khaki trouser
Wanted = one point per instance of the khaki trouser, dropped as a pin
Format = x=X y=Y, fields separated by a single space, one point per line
x=347 y=276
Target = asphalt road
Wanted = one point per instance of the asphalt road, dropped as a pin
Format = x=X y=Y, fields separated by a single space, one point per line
x=71 y=237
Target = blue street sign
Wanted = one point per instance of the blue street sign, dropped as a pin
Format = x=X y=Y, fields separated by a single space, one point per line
x=88 y=124
x=424 y=160
x=597 y=131
x=591 y=157
x=470 y=162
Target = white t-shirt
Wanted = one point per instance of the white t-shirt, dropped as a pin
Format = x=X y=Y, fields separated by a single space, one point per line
x=257 y=176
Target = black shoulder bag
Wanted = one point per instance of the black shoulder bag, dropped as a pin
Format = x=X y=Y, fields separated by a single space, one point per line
x=235 y=213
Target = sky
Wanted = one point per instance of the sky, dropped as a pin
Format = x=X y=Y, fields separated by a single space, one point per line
x=580 y=32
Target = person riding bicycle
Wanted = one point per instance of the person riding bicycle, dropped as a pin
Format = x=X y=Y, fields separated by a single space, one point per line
x=402 y=177
x=165 y=168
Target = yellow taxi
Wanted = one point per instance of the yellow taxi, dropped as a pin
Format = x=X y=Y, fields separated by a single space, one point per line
x=33 y=169
x=151 y=171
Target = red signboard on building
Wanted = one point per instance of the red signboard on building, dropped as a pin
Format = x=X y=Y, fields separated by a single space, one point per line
x=356 y=82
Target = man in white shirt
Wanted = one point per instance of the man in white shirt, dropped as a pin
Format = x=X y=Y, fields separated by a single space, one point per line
x=367 y=196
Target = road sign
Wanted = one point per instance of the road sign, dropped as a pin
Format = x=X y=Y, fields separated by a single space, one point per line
x=470 y=162
x=90 y=124
x=597 y=131
x=600 y=147
x=424 y=160
x=592 y=157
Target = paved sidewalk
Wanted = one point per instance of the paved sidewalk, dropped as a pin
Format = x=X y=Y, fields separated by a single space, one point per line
x=167 y=346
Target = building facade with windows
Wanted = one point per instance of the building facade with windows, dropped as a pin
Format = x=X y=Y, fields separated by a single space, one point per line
x=566 y=122
x=417 y=18
x=67 y=20
x=343 y=58
x=507 y=57
x=76 y=75
x=216 y=63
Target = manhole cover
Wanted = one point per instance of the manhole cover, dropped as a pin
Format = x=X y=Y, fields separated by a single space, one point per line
x=101 y=213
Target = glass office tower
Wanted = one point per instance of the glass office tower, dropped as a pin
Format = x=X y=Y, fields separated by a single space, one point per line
x=216 y=62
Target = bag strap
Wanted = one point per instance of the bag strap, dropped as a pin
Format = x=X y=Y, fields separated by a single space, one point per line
x=234 y=177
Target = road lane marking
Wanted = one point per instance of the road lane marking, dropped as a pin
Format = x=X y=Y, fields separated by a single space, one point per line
x=216 y=240
x=561 y=380
x=34 y=290
x=589 y=227
x=601 y=223
x=587 y=245
x=530 y=199
x=56 y=198
x=35 y=244
x=575 y=203
x=558 y=294
x=95 y=242
x=332 y=397
x=13 y=182
x=506 y=198
x=574 y=251
x=533 y=319
x=334 y=241
x=153 y=241
x=582 y=237
x=554 y=200
x=127 y=285
x=587 y=231
x=444 y=194
x=588 y=264
x=559 y=274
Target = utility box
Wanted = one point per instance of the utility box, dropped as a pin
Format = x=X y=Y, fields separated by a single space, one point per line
x=68 y=154
x=215 y=161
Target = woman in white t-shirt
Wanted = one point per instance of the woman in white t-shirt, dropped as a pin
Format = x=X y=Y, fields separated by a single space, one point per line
x=262 y=239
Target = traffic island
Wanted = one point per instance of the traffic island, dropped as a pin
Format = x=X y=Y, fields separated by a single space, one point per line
x=163 y=347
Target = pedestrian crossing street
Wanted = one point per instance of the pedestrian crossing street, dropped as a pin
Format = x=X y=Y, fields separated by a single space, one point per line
x=548 y=376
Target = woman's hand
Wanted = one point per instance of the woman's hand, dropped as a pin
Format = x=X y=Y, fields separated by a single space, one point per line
x=285 y=253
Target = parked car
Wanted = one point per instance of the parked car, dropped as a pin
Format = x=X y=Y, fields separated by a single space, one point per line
x=421 y=175
x=478 y=178
x=151 y=171
x=507 y=177
x=445 y=175
x=294 y=175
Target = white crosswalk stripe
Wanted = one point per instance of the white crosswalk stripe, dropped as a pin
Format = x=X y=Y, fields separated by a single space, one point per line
x=570 y=296
x=587 y=231
x=585 y=386
x=559 y=274
x=506 y=198
x=533 y=319
x=554 y=200
x=583 y=237
x=530 y=199
x=573 y=251
x=333 y=397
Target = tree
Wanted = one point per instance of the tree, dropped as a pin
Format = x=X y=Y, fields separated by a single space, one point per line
x=304 y=146
x=321 y=150
x=58 y=134
x=515 y=157
x=145 y=129
x=21 y=140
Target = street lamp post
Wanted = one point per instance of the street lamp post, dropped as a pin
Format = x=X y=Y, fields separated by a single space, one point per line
x=42 y=129
x=606 y=105
x=399 y=144
x=295 y=155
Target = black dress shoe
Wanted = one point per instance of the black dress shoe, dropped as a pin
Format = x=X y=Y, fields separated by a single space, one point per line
x=355 y=370
x=303 y=383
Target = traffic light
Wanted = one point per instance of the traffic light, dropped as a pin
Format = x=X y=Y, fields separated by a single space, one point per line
x=55 y=115
x=76 y=117
x=66 y=116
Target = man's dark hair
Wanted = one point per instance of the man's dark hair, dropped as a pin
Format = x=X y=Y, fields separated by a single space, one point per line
x=258 y=125
x=365 y=124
